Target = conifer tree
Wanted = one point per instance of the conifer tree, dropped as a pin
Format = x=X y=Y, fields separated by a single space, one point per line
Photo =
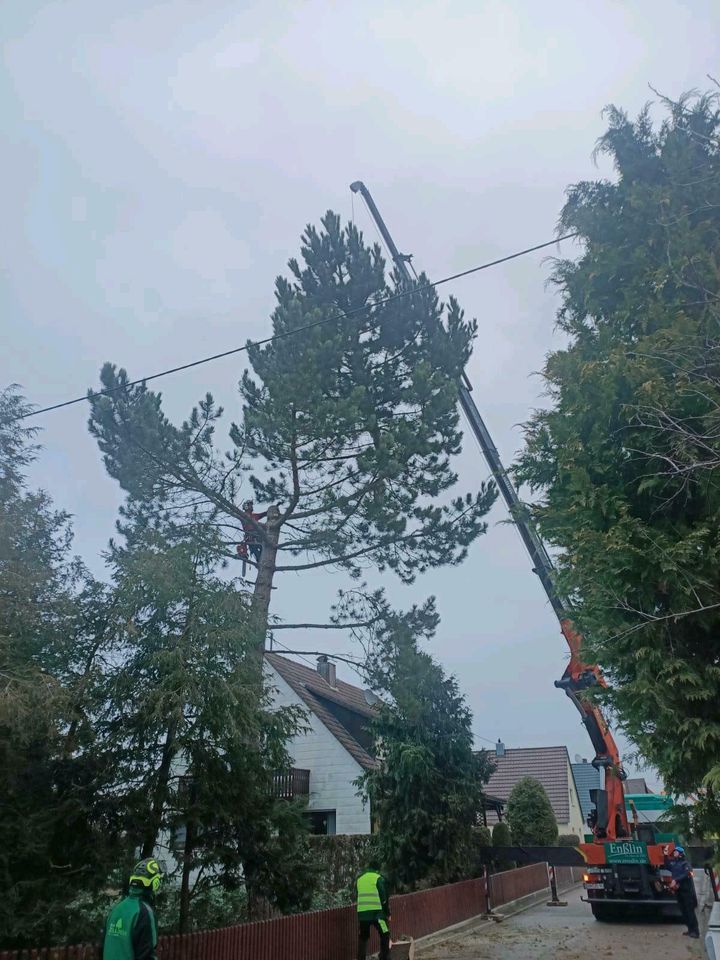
x=530 y=815
x=426 y=791
x=348 y=432
x=627 y=457
x=53 y=836
x=195 y=749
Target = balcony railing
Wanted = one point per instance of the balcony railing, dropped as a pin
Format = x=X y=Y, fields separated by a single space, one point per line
x=292 y=783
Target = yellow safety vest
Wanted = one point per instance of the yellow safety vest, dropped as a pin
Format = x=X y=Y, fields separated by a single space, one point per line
x=368 y=897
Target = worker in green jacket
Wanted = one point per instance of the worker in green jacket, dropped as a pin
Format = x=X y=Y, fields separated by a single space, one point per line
x=130 y=930
x=373 y=907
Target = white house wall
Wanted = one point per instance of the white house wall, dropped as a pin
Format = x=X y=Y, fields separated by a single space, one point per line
x=332 y=768
x=577 y=823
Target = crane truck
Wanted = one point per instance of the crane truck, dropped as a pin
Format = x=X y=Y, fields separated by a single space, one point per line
x=623 y=863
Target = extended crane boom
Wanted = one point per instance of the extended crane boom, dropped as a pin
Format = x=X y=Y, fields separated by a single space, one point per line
x=611 y=816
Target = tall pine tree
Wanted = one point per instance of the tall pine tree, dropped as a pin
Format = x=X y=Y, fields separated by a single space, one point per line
x=348 y=433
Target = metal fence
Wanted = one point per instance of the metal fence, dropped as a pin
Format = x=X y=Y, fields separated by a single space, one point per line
x=331 y=934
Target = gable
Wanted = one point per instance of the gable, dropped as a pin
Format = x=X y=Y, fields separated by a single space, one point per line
x=342 y=708
x=549 y=765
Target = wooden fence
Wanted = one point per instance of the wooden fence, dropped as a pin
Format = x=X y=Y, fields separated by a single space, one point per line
x=331 y=934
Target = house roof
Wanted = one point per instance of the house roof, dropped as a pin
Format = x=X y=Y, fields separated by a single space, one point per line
x=636 y=785
x=312 y=688
x=587 y=778
x=549 y=765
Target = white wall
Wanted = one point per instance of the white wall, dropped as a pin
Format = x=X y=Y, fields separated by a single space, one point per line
x=577 y=823
x=332 y=769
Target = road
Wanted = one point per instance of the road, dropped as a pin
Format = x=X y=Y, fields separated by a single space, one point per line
x=566 y=933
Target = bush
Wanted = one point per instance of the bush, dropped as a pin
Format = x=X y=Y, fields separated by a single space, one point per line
x=482 y=836
x=501 y=836
x=529 y=814
x=481 y=840
x=568 y=840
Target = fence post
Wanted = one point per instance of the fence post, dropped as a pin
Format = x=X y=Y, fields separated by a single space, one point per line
x=555 y=901
x=710 y=871
x=488 y=902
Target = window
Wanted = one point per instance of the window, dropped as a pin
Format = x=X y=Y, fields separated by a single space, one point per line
x=322 y=822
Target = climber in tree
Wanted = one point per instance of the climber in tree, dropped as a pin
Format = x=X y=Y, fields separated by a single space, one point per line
x=252 y=542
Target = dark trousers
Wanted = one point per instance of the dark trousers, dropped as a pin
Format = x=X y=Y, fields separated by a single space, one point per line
x=688 y=901
x=255 y=550
x=364 y=936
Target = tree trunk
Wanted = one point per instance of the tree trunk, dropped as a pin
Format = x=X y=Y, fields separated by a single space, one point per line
x=161 y=790
x=264 y=582
x=187 y=863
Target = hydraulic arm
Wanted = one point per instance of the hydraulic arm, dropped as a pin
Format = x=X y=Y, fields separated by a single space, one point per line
x=611 y=817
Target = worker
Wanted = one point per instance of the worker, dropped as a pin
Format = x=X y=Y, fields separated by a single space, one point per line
x=130 y=930
x=373 y=909
x=683 y=887
x=253 y=540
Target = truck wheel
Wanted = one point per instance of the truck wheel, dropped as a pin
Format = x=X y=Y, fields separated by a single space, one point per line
x=606 y=912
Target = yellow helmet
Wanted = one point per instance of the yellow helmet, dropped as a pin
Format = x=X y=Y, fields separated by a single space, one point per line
x=147 y=873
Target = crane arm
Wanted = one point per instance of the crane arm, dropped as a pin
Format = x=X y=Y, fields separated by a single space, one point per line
x=612 y=821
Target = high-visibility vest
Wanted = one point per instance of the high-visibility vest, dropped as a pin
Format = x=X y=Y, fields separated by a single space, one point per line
x=368 y=897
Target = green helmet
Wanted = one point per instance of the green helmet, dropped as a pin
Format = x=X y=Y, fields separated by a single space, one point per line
x=147 y=874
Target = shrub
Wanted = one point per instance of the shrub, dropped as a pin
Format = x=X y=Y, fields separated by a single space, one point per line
x=568 y=840
x=501 y=836
x=529 y=814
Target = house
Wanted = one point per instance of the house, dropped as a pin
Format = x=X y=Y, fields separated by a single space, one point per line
x=551 y=766
x=587 y=778
x=636 y=785
x=335 y=751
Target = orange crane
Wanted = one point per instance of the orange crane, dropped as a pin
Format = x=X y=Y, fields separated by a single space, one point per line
x=637 y=877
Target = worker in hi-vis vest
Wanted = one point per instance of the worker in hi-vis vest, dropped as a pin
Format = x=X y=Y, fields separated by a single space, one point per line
x=130 y=929
x=373 y=909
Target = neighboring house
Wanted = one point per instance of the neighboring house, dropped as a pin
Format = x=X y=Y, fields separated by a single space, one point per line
x=587 y=778
x=551 y=766
x=334 y=752
x=636 y=785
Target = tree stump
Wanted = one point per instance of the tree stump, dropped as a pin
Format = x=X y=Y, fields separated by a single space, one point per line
x=403 y=949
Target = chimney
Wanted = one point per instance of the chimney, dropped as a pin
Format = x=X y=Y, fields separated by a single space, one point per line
x=327 y=670
x=499 y=748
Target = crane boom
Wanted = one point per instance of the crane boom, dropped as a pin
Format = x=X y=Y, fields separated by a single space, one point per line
x=611 y=816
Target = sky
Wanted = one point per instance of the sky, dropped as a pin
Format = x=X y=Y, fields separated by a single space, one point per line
x=161 y=160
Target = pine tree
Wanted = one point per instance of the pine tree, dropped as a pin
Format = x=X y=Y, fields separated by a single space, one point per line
x=349 y=428
x=627 y=458
x=530 y=816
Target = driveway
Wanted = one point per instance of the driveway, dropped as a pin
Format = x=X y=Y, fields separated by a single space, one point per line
x=566 y=933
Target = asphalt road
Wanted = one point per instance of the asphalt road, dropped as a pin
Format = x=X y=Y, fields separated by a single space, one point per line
x=566 y=933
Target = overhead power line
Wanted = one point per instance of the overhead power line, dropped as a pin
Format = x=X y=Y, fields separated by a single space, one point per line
x=290 y=333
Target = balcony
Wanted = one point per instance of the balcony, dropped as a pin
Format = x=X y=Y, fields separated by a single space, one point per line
x=290 y=784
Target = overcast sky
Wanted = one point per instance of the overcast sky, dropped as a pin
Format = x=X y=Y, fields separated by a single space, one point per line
x=162 y=158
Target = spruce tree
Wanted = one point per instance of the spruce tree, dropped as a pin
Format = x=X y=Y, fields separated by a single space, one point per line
x=426 y=791
x=53 y=835
x=195 y=748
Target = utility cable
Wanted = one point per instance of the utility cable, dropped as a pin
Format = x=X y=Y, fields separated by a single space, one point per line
x=289 y=333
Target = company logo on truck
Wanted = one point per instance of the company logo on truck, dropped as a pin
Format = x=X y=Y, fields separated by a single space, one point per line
x=626 y=851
